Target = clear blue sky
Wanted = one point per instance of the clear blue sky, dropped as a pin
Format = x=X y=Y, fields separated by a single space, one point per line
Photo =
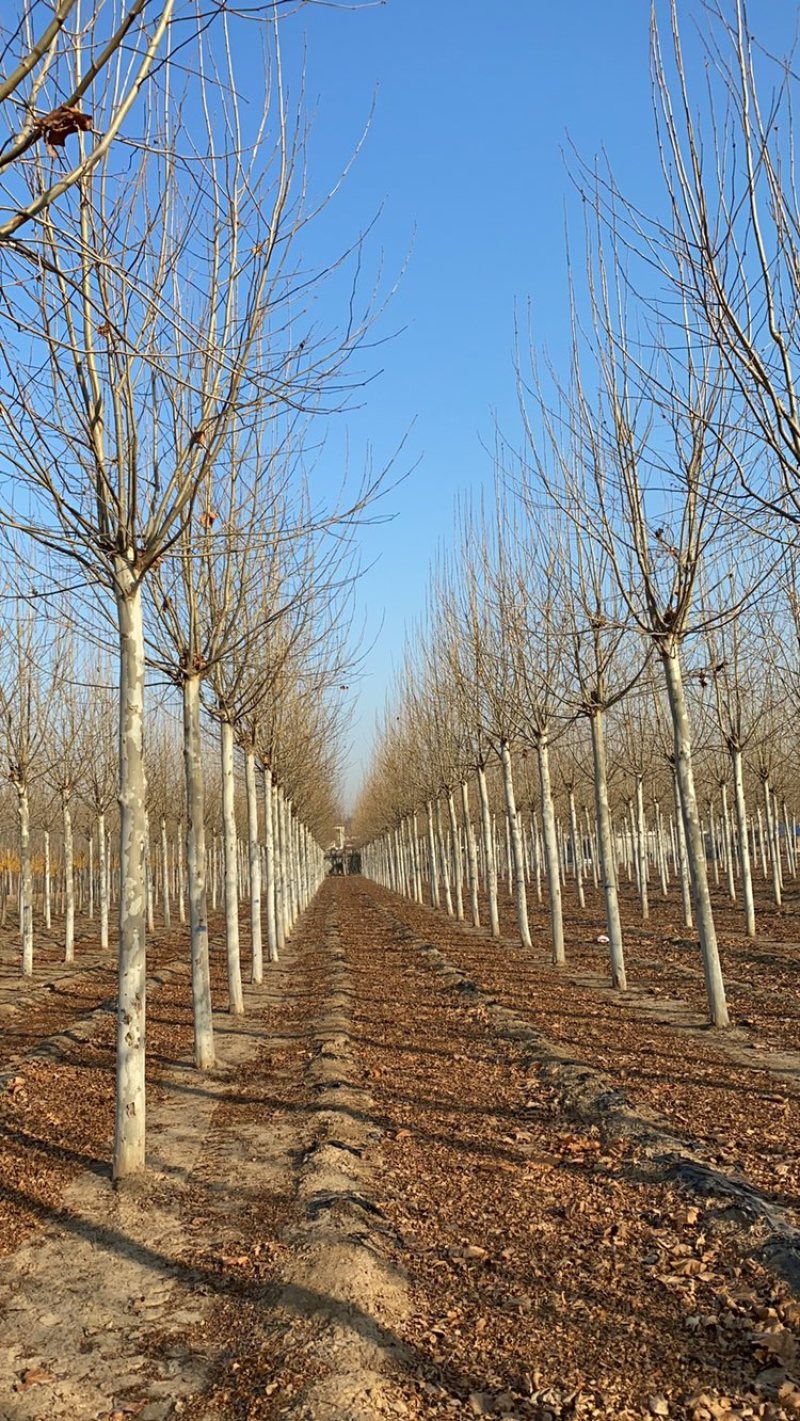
x=475 y=108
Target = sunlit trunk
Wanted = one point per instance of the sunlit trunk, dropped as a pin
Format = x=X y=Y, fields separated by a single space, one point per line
x=605 y=845
x=444 y=861
x=472 y=856
x=48 y=912
x=235 y=997
x=577 y=849
x=25 y=880
x=729 y=855
x=129 y=1126
x=165 y=888
x=254 y=848
x=551 y=853
x=269 y=865
x=458 y=863
x=490 y=866
x=196 y=864
x=102 y=862
x=712 y=970
x=641 y=846
x=517 y=860
x=69 y=883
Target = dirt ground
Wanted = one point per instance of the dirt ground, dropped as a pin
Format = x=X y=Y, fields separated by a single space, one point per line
x=430 y=1176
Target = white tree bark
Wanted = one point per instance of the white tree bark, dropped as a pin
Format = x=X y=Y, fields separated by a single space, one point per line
x=269 y=866
x=517 y=863
x=25 y=880
x=256 y=935
x=729 y=854
x=712 y=970
x=196 y=862
x=102 y=857
x=577 y=849
x=235 y=996
x=69 y=882
x=129 y=1127
x=458 y=862
x=551 y=853
x=641 y=844
x=472 y=856
x=444 y=861
x=605 y=845
x=490 y=865
x=165 y=888
x=48 y=911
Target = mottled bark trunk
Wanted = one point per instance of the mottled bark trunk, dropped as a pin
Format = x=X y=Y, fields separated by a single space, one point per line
x=196 y=863
x=165 y=886
x=269 y=866
x=235 y=996
x=490 y=871
x=517 y=860
x=458 y=863
x=129 y=1125
x=69 y=882
x=577 y=849
x=551 y=853
x=254 y=849
x=641 y=845
x=102 y=858
x=712 y=970
x=25 y=880
x=48 y=909
x=729 y=853
x=433 y=871
x=444 y=860
x=605 y=846
x=472 y=856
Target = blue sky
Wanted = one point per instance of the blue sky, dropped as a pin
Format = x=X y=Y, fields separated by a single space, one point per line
x=475 y=108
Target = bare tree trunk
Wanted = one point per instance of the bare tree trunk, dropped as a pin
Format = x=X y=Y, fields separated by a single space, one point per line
x=444 y=861
x=745 y=867
x=490 y=878
x=235 y=997
x=458 y=863
x=102 y=857
x=254 y=849
x=517 y=853
x=660 y=848
x=472 y=856
x=165 y=892
x=772 y=841
x=715 y=988
x=25 y=880
x=641 y=845
x=551 y=853
x=729 y=863
x=48 y=912
x=605 y=845
x=433 y=871
x=577 y=849
x=181 y=869
x=129 y=1128
x=69 y=884
x=196 y=861
x=90 y=846
x=269 y=867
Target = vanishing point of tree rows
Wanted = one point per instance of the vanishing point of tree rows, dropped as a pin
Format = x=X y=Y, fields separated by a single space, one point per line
x=609 y=663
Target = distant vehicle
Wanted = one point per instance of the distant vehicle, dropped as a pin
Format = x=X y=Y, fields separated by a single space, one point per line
x=343 y=860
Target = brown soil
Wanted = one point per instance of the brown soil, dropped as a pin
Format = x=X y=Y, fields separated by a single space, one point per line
x=384 y=1203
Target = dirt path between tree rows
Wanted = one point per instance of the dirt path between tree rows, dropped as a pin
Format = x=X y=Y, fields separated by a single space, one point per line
x=379 y=1205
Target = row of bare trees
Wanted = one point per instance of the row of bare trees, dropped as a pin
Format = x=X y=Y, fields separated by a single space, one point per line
x=641 y=535
x=162 y=360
